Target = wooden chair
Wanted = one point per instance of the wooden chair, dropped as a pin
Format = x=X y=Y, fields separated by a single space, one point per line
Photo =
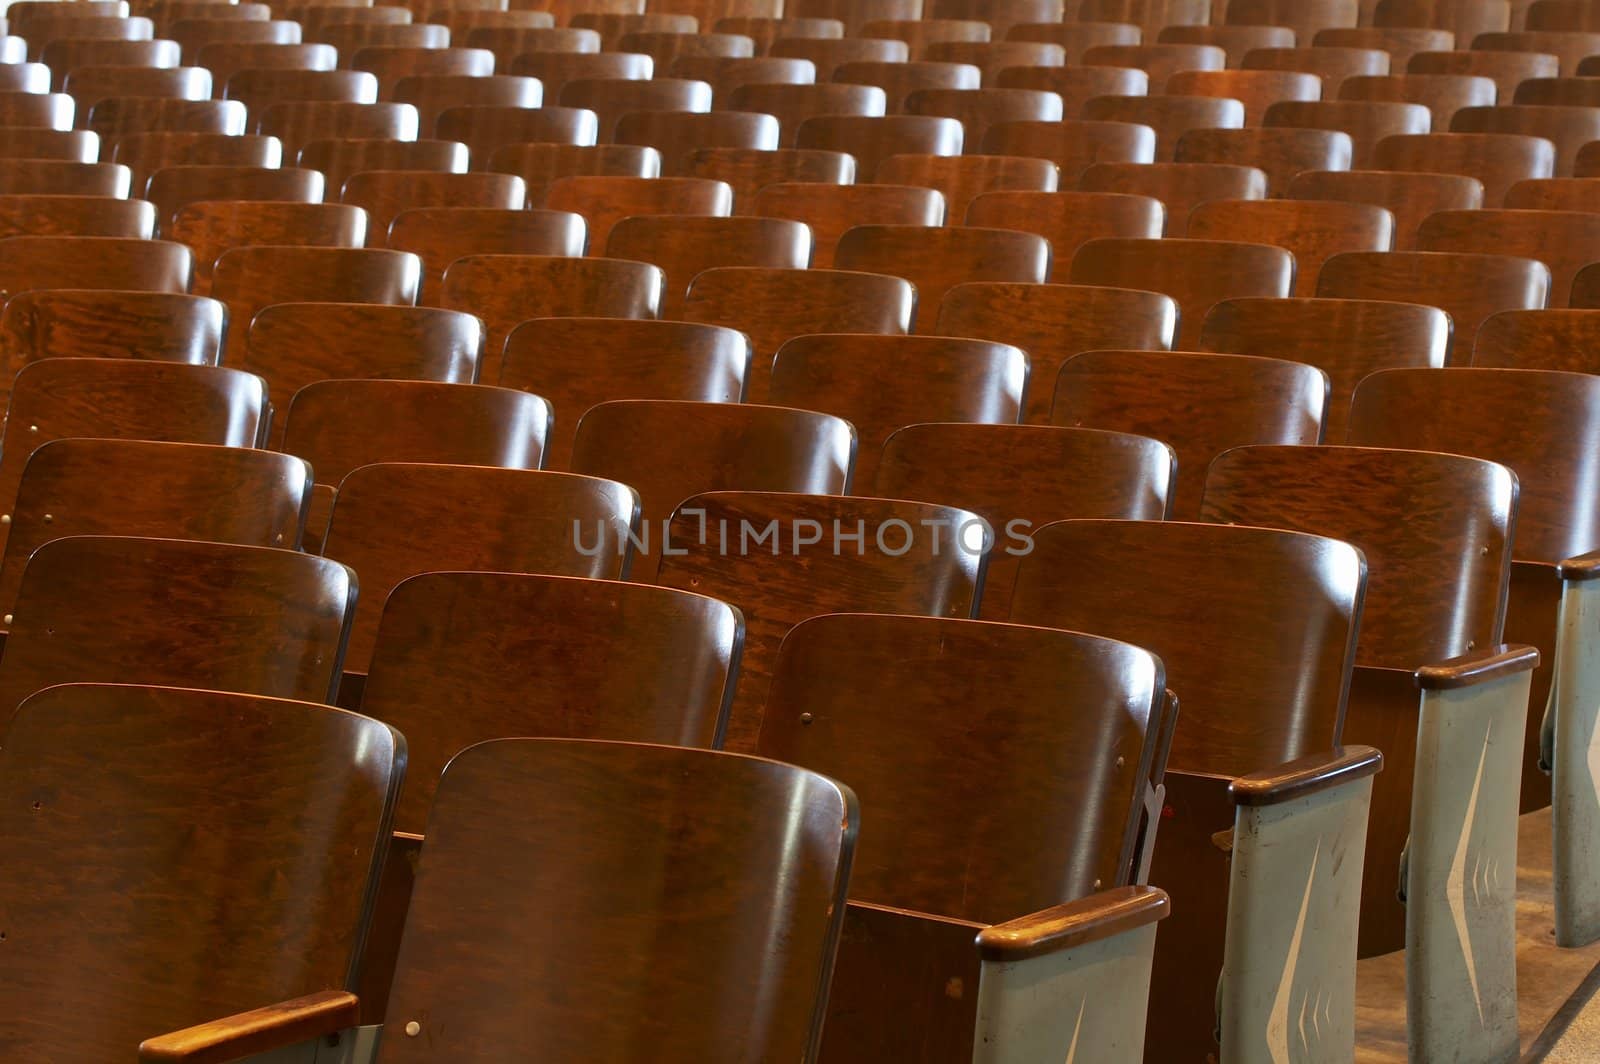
x=921 y=32
x=293 y=345
x=883 y=383
x=223 y=759
x=558 y=69
x=576 y=364
x=899 y=81
x=63 y=55
x=249 y=279
x=1410 y=197
x=727 y=74
x=833 y=210
x=605 y=201
x=963 y=178
x=1465 y=19
x=1001 y=16
x=76 y=216
x=1260 y=707
x=433 y=94
x=121 y=115
x=486 y=129
x=1499 y=160
x=1197 y=274
x=1365 y=122
x=1423 y=520
x=1150 y=15
x=1305 y=19
x=225 y=59
x=677 y=135
x=611 y=98
x=1588 y=163
x=829 y=54
x=211 y=228
x=1234 y=41
x=1557 y=92
x=441 y=235
x=686 y=246
x=937 y=259
x=1442 y=94
x=385 y=194
x=511 y=42
x=1568 y=128
x=146 y=153
x=1557 y=15
x=1280 y=154
x=749 y=170
x=1562 y=240
x=761 y=577
x=1256 y=89
x=298 y=123
x=764 y=31
x=541 y=165
x=1468 y=286
x=393 y=521
x=1506 y=69
x=1069 y=219
x=195 y=35
x=1348 y=339
x=903 y=901
x=506 y=290
x=854 y=14
x=91 y=85
x=260 y=88
x=352 y=38
x=1313 y=231
x=1159 y=61
x=77 y=487
x=874 y=139
x=1169 y=116
x=613 y=27
x=37 y=110
x=793 y=105
x=1076 y=85
x=1179 y=187
x=979 y=109
x=173 y=189
x=55 y=145
x=1557 y=340
x=341 y=159
x=773 y=306
x=1401 y=42
x=1334 y=65
x=665 y=48
x=1201 y=404
x=1073 y=146
x=1076 y=38
x=1570 y=47
x=391 y=64
x=33 y=262
x=668 y=450
x=317 y=18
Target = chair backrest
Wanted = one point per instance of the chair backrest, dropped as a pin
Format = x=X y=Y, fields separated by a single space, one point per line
x=184 y=613
x=749 y=170
x=76 y=216
x=685 y=246
x=872 y=139
x=1563 y=240
x=654 y=665
x=487 y=128
x=763 y=848
x=1482 y=412
x=883 y=87
x=833 y=210
x=60 y=177
x=1570 y=47
x=1256 y=89
x=1061 y=709
x=1563 y=340
x=1553 y=194
x=1180 y=187
x=678 y=134
x=605 y=200
x=1499 y=160
x=341 y=158
x=226 y=58
x=883 y=383
x=299 y=122
x=1234 y=41
x=1052 y=323
x=557 y=69
x=1281 y=154
x=727 y=74
x=77 y=487
x=1365 y=122
x=1201 y=404
x=1442 y=94
x=979 y=109
x=1345 y=338
x=1312 y=230
x=441 y=235
x=252 y=790
x=1505 y=68
x=214 y=227
x=1073 y=145
x=779 y=558
x=936 y=260
x=1567 y=127
x=1170 y=117
x=829 y=54
x=340 y=425
x=146 y=153
x=1019 y=478
x=393 y=521
x=1409 y=197
x=56 y=145
x=962 y=178
x=121 y=115
x=611 y=98
x=33 y=262
x=173 y=188
x=1435 y=530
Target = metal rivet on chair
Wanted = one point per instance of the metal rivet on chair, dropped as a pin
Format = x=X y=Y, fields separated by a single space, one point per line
x=413 y=1029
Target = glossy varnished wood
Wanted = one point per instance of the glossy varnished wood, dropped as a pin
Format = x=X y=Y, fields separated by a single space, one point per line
x=749 y=170
x=1345 y=338
x=828 y=55
x=784 y=580
x=1281 y=154
x=211 y=228
x=173 y=188
x=1569 y=128
x=121 y=115
x=1334 y=64
x=611 y=98
x=1160 y=60
x=34 y=262
x=686 y=246
x=1234 y=41
x=873 y=139
x=210 y=792
x=441 y=235
x=962 y=178
x=1499 y=160
x=1586 y=288
x=1170 y=116
x=1069 y=219
x=606 y=200
x=56 y=145
x=223 y=617
x=341 y=158
x=260 y=87
x=763 y=848
x=1311 y=230
x=385 y=194
x=146 y=153
x=1506 y=69
x=979 y=109
x=59 y=177
x=1256 y=89
x=1179 y=187
x=1555 y=194
x=678 y=134
x=1565 y=340
x=486 y=128
x=936 y=260
x=299 y=122
x=726 y=74
x=898 y=81
x=392 y=64
x=1565 y=241
x=46 y=215
x=792 y=105
x=1052 y=323
x=1410 y=197
x=394 y=521
x=1366 y=122
x=556 y=69
x=1442 y=94
x=1073 y=146
x=1570 y=47
x=542 y=165
x=832 y=210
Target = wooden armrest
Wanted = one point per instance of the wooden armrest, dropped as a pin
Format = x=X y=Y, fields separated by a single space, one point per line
x=257 y=1031
x=1077 y=923
x=1583 y=567
x=1478 y=666
x=1306 y=775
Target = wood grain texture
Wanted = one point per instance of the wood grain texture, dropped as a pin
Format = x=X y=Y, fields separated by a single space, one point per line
x=292 y=345
x=393 y=521
x=56 y=145
x=1562 y=92
x=1435 y=529
x=1170 y=116
x=828 y=55
x=1467 y=286
x=1506 y=69
x=1499 y=160
x=1256 y=89
x=81 y=487
x=685 y=246
x=146 y=153
x=1565 y=241
x=1074 y=37
x=1565 y=340
x=612 y=26
x=212 y=228
x=1069 y=219
x=678 y=134
x=790 y=576
x=260 y=87
x=393 y=63
x=48 y=215
x=211 y=792
x=1052 y=323
x=299 y=122
x=1197 y=274
x=321 y=1015
x=341 y=158
x=1234 y=41
x=385 y=194
x=897 y=81
x=763 y=850
x=936 y=260
x=1554 y=194
x=606 y=200
x=60 y=178
x=542 y=165
x=764 y=30
x=1200 y=404
x=352 y=38
x=962 y=178
x=1365 y=122
x=557 y=69
x=28 y=263
x=991 y=57
x=1442 y=94
x=1570 y=47
x=218 y=616
x=464 y=638
x=873 y=139
x=1313 y=231
x=855 y=13
x=1334 y=64
x=434 y=93
x=883 y=383
x=1159 y=60
x=749 y=170
x=1410 y=197
x=487 y=128
x=980 y=109
x=1560 y=15
x=1568 y=128
x=726 y=74
x=611 y=98
x=576 y=364
x=1033 y=474
x=832 y=210
x=121 y=115
x=1281 y=154
x=89 y=85
x=172 y=188
x=1401 y=42
x=441 y=235
x=341 y=425
x=1347 y=339
x=1179 y=186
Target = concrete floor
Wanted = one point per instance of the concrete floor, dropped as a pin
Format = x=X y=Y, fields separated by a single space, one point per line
x=1552 y=984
